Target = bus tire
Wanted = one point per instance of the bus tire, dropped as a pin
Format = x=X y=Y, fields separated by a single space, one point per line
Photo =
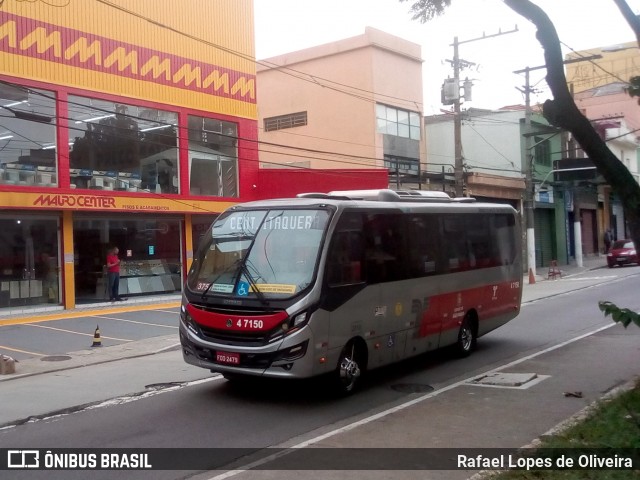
x=466 y=341
x=351 y=365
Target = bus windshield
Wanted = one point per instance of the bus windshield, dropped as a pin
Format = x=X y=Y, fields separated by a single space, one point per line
x=265 y=254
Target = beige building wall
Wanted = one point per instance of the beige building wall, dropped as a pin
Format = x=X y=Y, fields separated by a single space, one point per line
x=338 y=86
x=617 y=63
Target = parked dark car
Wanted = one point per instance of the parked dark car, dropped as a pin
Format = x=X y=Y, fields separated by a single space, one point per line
x=622 y=252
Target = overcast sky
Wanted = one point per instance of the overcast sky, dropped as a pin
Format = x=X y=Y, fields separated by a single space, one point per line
x=288 y=25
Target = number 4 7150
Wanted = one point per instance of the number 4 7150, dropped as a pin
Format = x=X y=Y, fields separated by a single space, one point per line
x=249 y=323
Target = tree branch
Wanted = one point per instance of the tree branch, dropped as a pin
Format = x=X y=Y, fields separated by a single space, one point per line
x=631 y=18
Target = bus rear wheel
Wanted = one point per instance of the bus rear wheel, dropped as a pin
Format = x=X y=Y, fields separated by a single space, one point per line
x=350 y=368
x=466 y=338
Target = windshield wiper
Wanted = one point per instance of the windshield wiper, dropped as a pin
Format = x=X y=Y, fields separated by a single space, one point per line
x=247 y=273
x=234 y=265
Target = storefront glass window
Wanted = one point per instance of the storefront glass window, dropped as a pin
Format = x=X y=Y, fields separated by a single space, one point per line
x=29 y=260
x=114 y=146
x=27 y=137
x=213 y=157
x=149 y=251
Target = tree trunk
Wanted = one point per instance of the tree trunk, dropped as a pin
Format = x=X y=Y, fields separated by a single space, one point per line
x=563 y=112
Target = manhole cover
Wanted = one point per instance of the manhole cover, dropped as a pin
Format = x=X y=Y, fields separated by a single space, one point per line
x=55 y=358
x=412 y=388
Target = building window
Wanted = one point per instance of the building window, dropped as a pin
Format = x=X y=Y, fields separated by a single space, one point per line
x=115 y=146
x=542 y=152
x=280 y=122
x=27 y=137
x=402 y=165
x=397 y=122
x=213 y=157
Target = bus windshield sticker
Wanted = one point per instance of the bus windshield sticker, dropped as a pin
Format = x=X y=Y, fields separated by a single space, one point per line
x=273 y=288
x=222 y=288
x=243 y=289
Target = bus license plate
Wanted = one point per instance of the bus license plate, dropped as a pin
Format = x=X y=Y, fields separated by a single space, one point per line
x=228 y=357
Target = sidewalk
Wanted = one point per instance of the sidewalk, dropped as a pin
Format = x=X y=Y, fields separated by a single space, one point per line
x=547 y=287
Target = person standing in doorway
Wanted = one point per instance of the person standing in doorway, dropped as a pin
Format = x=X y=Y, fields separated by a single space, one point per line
x=113 y=275
x=608 y=238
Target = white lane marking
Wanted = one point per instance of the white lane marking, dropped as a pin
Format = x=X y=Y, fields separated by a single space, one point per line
x=603 y=277
x=175 y=327
x=616 y=279
x=76 y=333
x=4 y=347
x=398 y=408
x=175 y=312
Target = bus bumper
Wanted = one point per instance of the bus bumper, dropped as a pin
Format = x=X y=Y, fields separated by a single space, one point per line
x=291 y=357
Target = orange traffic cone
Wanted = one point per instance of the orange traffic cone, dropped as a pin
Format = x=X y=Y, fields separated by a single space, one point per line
x=96 y=338
x=532 y=277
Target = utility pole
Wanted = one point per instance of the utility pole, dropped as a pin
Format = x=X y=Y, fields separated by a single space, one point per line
x=529 y=194
x=457 y=124
x=458 y=64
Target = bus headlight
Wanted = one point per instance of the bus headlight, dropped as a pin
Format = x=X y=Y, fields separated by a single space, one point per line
x=296 y=323
x=300 y=320
x=290 y=326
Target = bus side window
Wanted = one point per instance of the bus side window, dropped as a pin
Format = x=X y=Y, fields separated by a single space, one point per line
x=503 y=233
x=345 y=259
x=479 y=241
x=422 y=245
x=453 y=233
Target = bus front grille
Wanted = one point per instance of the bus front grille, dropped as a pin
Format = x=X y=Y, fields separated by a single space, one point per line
x=250 y=339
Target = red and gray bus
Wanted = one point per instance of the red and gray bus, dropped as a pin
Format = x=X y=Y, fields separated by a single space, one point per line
x=346 y=282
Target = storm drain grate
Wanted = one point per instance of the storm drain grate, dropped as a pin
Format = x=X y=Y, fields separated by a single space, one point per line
x=55 y=358
x=412 y=388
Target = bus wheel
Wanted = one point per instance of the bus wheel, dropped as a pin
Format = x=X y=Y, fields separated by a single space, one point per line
x=466 y=338
x=349 y=368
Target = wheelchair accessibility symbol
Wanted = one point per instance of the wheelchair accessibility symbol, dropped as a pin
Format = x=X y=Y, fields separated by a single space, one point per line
x=243 y=289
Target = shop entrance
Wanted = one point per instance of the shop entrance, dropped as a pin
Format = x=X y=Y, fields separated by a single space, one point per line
x=29 y=260
x=149 y=251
